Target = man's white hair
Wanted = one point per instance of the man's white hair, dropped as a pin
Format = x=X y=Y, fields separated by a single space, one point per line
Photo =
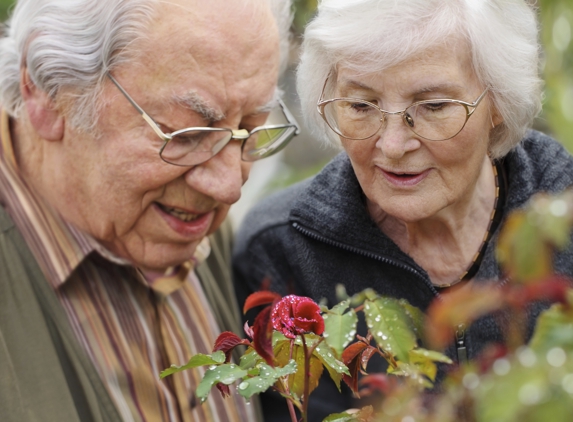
x=372 y=35
x=69 y=45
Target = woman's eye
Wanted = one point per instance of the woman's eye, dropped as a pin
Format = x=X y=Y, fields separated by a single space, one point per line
x=435 y=106
x=361 y=107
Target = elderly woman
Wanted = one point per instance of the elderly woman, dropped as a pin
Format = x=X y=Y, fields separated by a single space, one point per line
x=431 y=102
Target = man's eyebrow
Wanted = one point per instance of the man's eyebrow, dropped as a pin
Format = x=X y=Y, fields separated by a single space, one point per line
x=193 y=101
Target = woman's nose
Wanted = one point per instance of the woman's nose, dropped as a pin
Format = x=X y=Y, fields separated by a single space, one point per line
x=395 y=137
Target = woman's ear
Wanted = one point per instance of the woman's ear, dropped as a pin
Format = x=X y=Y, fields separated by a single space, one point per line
x=496 y=117
x=44 y=116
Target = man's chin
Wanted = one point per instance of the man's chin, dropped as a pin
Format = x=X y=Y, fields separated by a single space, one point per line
x=162 y=258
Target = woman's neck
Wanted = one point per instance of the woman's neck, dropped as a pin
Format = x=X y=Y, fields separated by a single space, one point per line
x=446 y=243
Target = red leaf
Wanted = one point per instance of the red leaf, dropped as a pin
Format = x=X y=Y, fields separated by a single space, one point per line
x=249 y=330
x=375 y=383
x=366 y=355
x=260 y=298
x=263 y=336
x=226 y=342
x=224 y=389
x=351 y=358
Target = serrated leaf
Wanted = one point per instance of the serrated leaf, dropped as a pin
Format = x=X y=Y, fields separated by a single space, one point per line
x=226 y=374
x=249 y=359
x=339 y=327
x=199 y=359
x=296 y=381
x=267 y=377
x=425 y=361
x=417 y=317
x=390 y=326
x=336 y=369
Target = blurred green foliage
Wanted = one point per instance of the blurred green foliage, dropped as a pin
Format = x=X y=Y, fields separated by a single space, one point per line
x=4 y=5
x=556 y=18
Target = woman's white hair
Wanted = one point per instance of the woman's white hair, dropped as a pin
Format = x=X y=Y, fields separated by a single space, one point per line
x=69 y=45
x=372 y=35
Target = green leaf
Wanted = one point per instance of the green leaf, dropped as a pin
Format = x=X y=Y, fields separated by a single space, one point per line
x=362 y=415
x=554 y=328
x=417 y=317
x=413 y=373
x=250 y=359
x=425 y=360
x=199 y=359
x=267 y=377
x=296 y=381
x=226 y=374
x=339 y=327
x=334 y=367
x=390 y=326
x=420 y=354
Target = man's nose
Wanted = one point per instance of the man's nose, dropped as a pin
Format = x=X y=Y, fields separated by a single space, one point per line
x=222 y=176
x=395 y=138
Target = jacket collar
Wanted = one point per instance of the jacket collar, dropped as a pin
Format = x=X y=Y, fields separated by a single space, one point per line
x=334 y=207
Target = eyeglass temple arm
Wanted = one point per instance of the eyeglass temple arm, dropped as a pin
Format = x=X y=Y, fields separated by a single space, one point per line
x=476 y=102
x=145 y=116
x=289 y=116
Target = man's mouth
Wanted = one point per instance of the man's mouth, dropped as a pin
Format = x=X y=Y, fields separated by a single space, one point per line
x=179 y=214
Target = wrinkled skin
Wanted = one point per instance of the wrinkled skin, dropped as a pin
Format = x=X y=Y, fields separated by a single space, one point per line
x=114 y=186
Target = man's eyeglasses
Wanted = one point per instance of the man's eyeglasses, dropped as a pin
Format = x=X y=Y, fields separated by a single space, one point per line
x=434 y=120
x=195 y=145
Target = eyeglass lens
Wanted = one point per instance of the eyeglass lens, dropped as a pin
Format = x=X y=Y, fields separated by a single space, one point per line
x=435 y=121
x=193 y=147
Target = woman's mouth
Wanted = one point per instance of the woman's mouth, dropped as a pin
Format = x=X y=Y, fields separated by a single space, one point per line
x=404 y=179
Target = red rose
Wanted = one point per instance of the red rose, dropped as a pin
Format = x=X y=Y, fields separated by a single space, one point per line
x=294 y=315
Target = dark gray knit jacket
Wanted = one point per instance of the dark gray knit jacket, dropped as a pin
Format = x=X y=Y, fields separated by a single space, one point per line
x=316 y=234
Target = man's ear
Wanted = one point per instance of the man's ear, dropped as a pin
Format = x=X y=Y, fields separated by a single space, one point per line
x=42 y=111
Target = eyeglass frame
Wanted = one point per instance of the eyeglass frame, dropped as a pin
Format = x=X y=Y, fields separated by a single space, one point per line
x=321 y=103
x=238 y=134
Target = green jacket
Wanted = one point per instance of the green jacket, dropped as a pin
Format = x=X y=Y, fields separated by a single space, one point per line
x=44 y=373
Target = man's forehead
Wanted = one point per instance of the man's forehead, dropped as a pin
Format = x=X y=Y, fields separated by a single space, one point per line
x=192 y=100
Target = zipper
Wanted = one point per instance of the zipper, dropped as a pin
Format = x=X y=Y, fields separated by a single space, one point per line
x=461 y=344
x=460 y=329
x=370 y=255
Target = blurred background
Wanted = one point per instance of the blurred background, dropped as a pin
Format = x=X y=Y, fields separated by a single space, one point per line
x=305 y=156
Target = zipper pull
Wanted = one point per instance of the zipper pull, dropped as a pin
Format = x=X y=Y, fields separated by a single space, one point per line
x=461 y=344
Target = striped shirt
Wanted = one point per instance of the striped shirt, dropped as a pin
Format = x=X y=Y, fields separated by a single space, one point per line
x=131 y=327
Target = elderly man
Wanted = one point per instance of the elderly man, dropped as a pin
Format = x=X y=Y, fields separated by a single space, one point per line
x=127 y=131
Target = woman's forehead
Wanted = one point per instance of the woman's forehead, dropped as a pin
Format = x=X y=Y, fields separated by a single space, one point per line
x=439 y=69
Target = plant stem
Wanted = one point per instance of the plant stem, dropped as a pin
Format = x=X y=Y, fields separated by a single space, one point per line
x=289 y=402
x=306 y=380
x=291 y=411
